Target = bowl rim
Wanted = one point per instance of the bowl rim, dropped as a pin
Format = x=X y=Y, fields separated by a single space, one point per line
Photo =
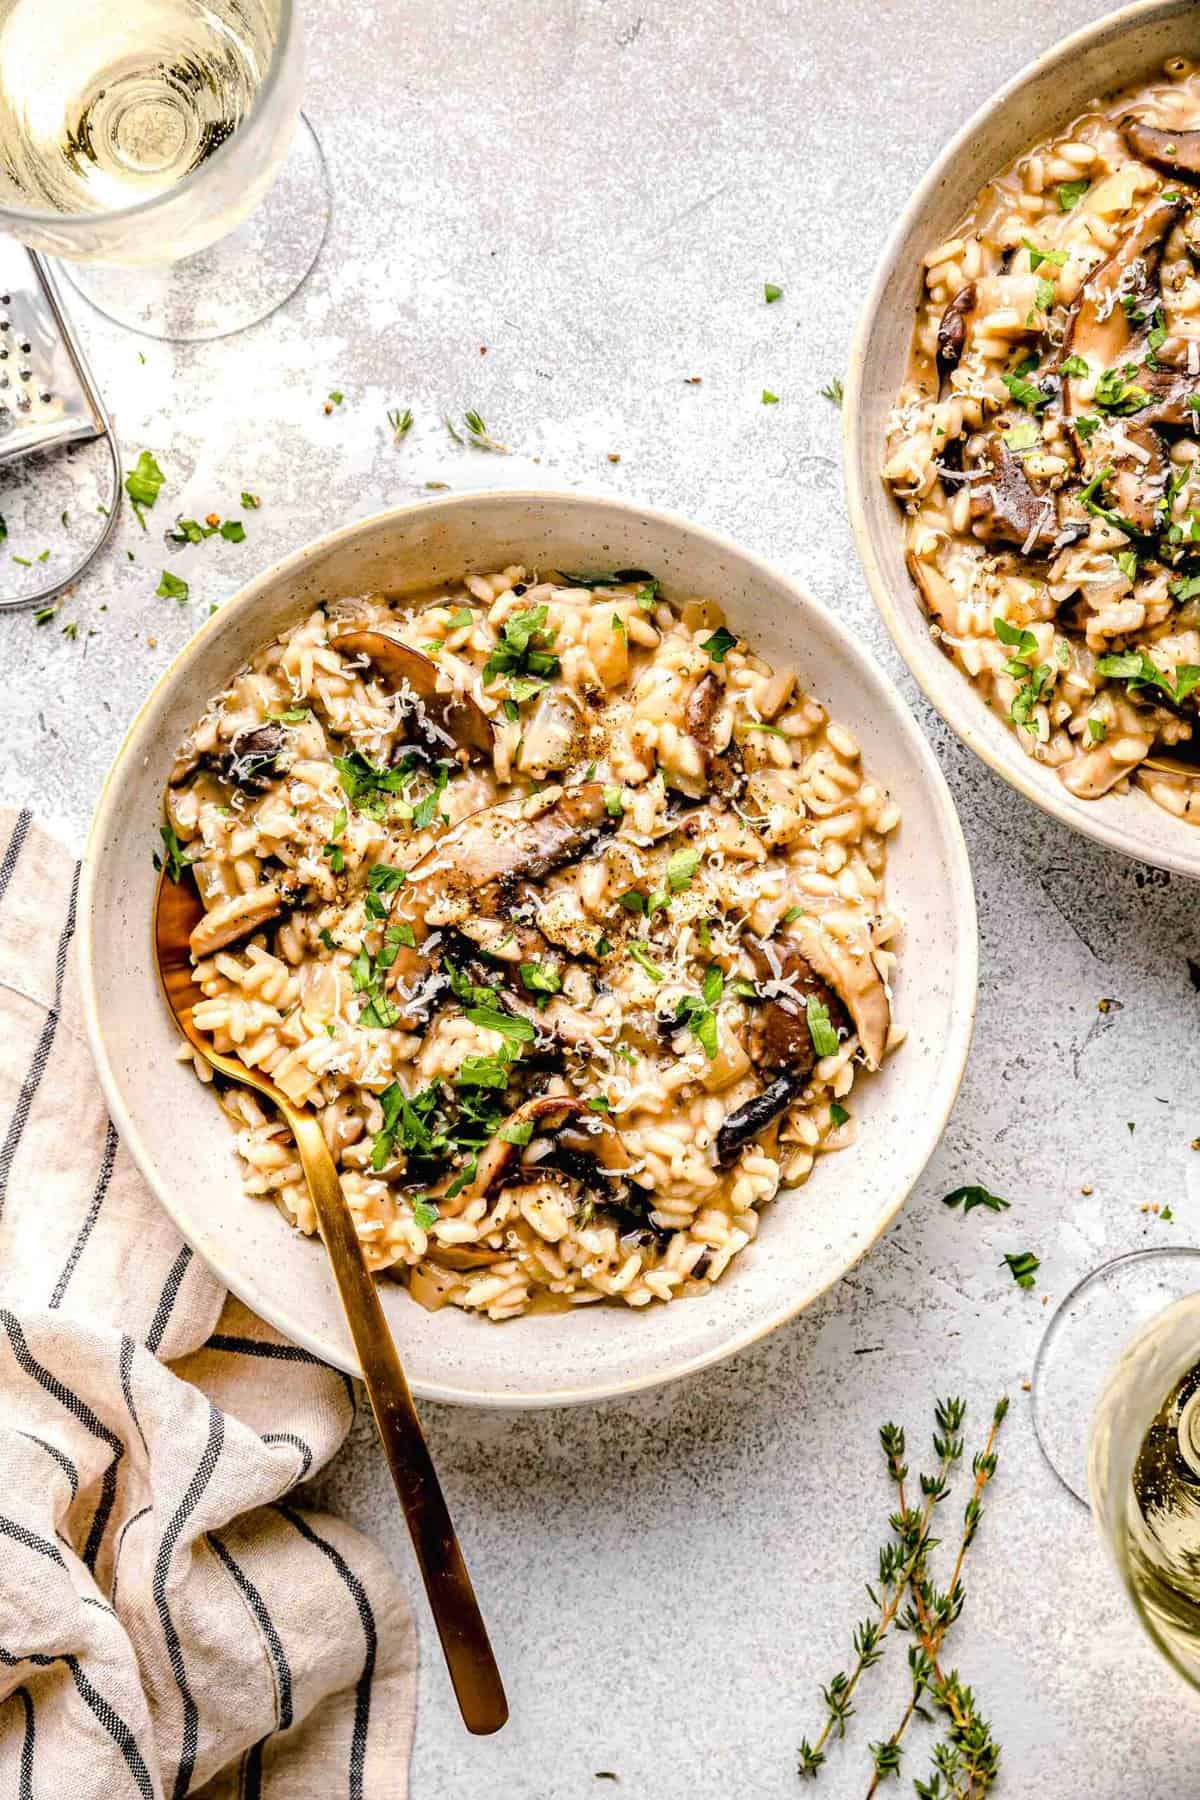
x=956 y=700
x=929 y=1124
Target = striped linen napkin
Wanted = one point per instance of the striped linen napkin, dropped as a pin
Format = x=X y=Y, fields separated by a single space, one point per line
x=169 y=1623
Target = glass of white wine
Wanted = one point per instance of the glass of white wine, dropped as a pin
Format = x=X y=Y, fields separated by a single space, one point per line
x=158 y=146
x=1144 y=1476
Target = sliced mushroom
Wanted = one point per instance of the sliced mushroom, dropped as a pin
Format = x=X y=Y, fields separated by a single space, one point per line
x=1174 y=152
x=779 y=1034
x=575 y=1129
x=751 y=1119
x=1140 y=471
x=722 y=768
x=940 y=594
x=1098 y=327
x=952 y=331
x=443 y=712
x=252 y=762
x=232 y=919
x=839 y=949
x=1171 y=392
x=1008 y=509
x=518 y=839
x=1097 y=770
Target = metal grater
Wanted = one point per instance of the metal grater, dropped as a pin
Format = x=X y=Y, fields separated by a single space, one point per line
x=48 y=398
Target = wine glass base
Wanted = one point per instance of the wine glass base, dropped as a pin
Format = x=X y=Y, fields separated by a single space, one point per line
x=1083 y=1341
x=239 y=280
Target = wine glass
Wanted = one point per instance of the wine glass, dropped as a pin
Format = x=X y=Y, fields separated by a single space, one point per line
x=1085 y=1338
x=158 y=145
x=1144 y=1475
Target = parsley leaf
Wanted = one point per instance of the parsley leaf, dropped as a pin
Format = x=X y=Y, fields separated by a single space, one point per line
x=972 y=1196
x=142 y=484
x=820 y=1030
x=681 y=868
x=523 y=650
x=172 y=587
x=1070 y=193
x=641 y=956
x=177 y=858
x=1022 y=1266
x=771 y=293
x=719 y=644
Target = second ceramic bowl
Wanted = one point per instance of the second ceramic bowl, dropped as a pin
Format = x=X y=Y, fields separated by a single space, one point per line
x=1113 y=53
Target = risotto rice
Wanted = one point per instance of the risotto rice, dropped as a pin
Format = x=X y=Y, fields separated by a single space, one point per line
x=1045 y=444
x=563 y=910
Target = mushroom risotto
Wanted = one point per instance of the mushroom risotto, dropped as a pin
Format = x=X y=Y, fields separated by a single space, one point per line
x=561 y=908
x=1045 y=444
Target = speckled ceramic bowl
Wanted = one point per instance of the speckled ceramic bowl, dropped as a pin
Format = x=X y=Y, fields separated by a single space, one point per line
x=809 y=1237
x=1125 y=47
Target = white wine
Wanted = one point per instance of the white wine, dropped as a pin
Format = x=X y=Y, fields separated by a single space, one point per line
x=105 y=103
x=1163 y=1524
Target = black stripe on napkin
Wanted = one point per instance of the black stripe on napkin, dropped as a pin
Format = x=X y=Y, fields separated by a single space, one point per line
x=297 y=1443
x=93 y=1213
x=362 y=1691
x=83 y=1412
x=15 y=845
x=61 y=1458
x=41 y=1056
x=162 y=1568
x=258 y=1606
x=108 y=1716
x=28 y=1741
x=167 y=1299
x=244 y=1346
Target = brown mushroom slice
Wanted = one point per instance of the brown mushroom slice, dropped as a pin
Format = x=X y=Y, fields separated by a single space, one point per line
x=232 y=919
x=752 y=1118
x=839 y=949
x=1174 y=152
x=1008 y=509
x=942 y=598
x=548 y=1113
x=1095 y=771
x=451 y=711
x=1171 y=391
x=952 y=331
x=722 y=768
x=779 y=1036
x=1140 y=472
x=514 y=841
x=1098 y=327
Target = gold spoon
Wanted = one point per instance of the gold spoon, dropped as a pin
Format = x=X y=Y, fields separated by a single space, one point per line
x=473 y=1672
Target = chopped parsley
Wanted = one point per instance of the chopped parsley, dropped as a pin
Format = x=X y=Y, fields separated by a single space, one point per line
x=425 y=1213
x=172 y=587
x=523 y=653
x=768 y=398
x=972 y=1196
x=1024 y=435
x=614 y=802
x=1022 y=1266
x=1070 y=193
x=642 y=957
x=1023 y=643
x=681 y=868
x=1097 y=730
x=541 y=978
x=1127 y=562
x=1117 y=393
x=820 y=1030
x=1025 y=392
x=771 y=293
x=838 y=1113
x=142 y=484
x=1074 y=365
x=1139 y=669
x=177 y=858
x=718 y=646
x=1056 y=258
x=699 y=1013
x=332 y=851
x=251 y=501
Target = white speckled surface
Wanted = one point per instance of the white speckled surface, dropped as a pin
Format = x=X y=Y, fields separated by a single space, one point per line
x=596 y=189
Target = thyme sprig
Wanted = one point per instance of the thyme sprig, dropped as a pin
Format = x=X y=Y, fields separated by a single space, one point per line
x=966 y=1761
x=474 y=431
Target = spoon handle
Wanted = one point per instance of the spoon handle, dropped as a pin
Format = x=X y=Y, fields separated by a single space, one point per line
x=468 y=1653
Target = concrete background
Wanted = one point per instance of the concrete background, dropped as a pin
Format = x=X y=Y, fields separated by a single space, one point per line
x=596 y=190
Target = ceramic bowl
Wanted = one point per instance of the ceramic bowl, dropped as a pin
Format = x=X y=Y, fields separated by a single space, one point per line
x=1116 y=51
x=809 y=1237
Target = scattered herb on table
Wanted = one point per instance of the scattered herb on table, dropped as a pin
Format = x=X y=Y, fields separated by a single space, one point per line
x=771 y=293
x=972 y=1196
x=142 y=484
x=967 y=1756
x=400 y=422
x=1022 y=1266
x=834 y=391
x=475 y=432
x=172 y=587
x=768 y=398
